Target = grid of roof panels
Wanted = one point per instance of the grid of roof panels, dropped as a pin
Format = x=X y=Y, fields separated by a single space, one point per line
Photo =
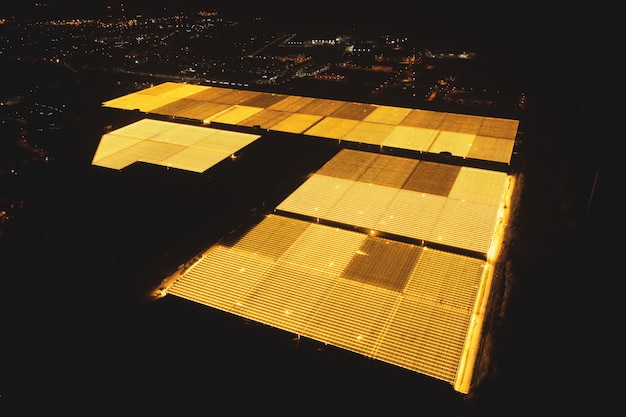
x=433 y=202
x=192 y=148
x=400 y=303
x=407 y=304
x=467 y=136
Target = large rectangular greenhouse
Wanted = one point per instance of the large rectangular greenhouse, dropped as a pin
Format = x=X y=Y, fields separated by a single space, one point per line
x=465 y=136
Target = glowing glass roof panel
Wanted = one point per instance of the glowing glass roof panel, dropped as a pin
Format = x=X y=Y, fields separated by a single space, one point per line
x=423 y=118
x=388 y=170
x=363 y=204
x=432 y=178
x=457 y=144
x=461 y=123
x=191 y=148
x=414 y=138
x=193 y=159
x=240 y=97
x=177 y=90
x=354 y=111
x=465 y=225
x=292 y=104
x=479 y=186
x=111 y=144
x=445 y=278
x=180 y=134
x=262 y=238
x=211 y=95
x=322 y=107
x=172 y=89
x=263 y=100
x=110 y=156
x=387 y=115
x=347 y=164
x=332 y=127
x=499 y=128
x=154 y=151
x=425 y=337
x=491 y=149
x=144 y=129
x=191 y=109
x=223 y=277
x=353 y=316
x=368 y=132
x=412 y=214
x=140 y=101
x=233 y=115
x=316 y=197
x=265 y=119
x=224 y=141
x=296 y=123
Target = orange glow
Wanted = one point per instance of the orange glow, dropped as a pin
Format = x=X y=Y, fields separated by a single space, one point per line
x=417 y=307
